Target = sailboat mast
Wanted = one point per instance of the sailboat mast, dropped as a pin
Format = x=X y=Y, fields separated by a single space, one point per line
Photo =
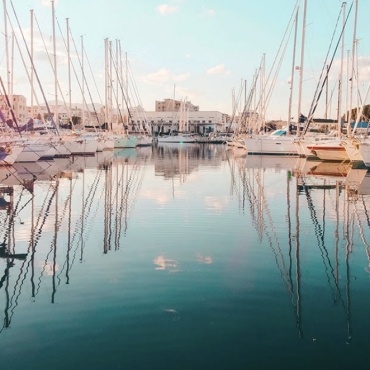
x=55 y=67
x=292 y=74
x=354 y=41
x=341 y=74
x=7 y=51
x=121 y=77
x=11 y=92
x=117 y=80
x=301 y=64
x=32 y=92
x=110 y=91
x=326 y=93
x=106 y=80
x=69 y=68
x=83 y=81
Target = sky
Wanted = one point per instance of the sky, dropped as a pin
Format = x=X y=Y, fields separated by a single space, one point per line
x=199 y=50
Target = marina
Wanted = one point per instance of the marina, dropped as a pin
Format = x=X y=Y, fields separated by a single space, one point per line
x=184 y=256
x=228 y=228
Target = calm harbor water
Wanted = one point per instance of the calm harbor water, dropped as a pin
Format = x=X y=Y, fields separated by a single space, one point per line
x=184 y=257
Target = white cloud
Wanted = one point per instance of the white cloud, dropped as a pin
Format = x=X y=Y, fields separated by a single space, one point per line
x=218 y=70
x=364 y=67
x=182 y=77
x=167 y=9
x=160 y=76
x=210 y=12
x=164 y=75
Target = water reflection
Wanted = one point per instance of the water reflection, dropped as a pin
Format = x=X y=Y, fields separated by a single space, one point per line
x=48 y=209
x=179 y=160
x=273 y=225
x=322 y=206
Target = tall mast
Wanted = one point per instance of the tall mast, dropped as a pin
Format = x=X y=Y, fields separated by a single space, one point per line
x=12 y=71
x=69 y=68
x=7 y=51
x=301 y=64
x=292 y=74
x=126 y=65
x=117 y=79
x=110 y=82
x=341 y=74
x=32 y=92
x=55 y=68
x=83 y=81
x=121 y=77
x=106 y=80
x=353 y=59
x=347 y=94
x=326 y=93
x=262 y=92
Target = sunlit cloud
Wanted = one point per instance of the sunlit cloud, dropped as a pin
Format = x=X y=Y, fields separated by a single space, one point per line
x=218 y=70
x=160 y=76
x=165 y=75
x=167 y=9
x=182 y=77
x=363 y=64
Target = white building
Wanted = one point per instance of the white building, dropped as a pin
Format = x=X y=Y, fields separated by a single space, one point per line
x=201 y=122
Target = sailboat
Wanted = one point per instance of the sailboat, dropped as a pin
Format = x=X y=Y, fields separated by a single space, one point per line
x=182 y=135
x=280 y=141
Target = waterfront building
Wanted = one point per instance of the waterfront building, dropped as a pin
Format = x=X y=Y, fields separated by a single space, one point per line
x=200 y=122
x=164 y=119
x=19 y=107
x=169 y=112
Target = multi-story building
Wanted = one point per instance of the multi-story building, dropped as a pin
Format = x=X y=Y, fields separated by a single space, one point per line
x=169 y=113
x=18 y=103
x=171 y=105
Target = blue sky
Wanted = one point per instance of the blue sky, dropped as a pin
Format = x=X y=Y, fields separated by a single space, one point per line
x=205 y=48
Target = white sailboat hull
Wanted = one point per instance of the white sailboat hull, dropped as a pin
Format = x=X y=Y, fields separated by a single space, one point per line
x=81 y=146
x=176 y=139
x=274 y=145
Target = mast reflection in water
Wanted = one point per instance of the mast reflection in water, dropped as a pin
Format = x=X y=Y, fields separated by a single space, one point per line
x=187 y=257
